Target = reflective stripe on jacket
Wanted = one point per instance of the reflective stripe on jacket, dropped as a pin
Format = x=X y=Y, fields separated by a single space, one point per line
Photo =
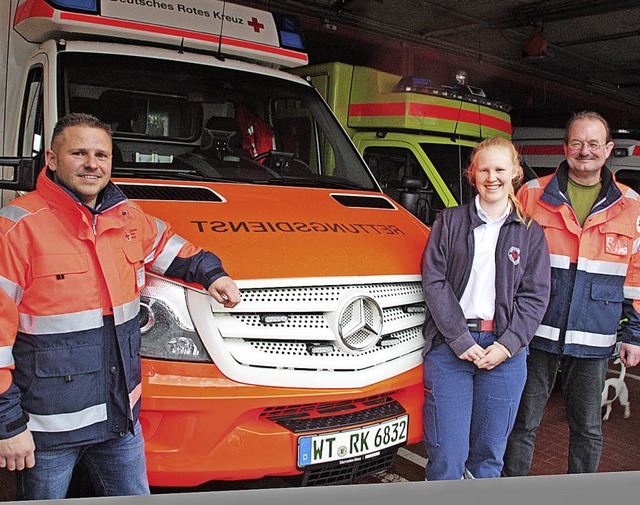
x=70 y=279
x=594 y=269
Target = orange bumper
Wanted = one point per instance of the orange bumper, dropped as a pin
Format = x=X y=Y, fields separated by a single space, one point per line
x=200 y=426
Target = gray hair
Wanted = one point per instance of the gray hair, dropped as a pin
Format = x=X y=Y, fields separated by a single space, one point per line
x=587 y=114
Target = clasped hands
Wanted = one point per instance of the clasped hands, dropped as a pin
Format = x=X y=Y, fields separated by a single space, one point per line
x=488 y=358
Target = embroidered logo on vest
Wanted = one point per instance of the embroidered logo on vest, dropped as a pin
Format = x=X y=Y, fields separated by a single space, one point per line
x=514 y=255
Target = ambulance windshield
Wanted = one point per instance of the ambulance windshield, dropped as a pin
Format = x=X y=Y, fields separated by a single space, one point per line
x=181 y=121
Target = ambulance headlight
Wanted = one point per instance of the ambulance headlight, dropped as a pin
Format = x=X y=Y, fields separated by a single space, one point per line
x=620 y=152
x=167 y=330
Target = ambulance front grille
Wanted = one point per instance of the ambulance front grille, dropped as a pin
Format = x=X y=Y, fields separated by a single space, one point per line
x=342 y=421
x=280 y=412
x=319 y=294
x=297 y=328
x=286 y=348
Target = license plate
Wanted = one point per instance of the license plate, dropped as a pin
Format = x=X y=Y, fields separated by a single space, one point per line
x=348 y=444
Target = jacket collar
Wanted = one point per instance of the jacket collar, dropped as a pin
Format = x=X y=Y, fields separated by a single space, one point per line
x=555 y=193
x=59 y=196
x=477 y=221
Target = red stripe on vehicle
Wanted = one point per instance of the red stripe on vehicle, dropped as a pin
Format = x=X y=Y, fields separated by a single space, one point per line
x=176 y=32
x=458 y=114
x=432 y=111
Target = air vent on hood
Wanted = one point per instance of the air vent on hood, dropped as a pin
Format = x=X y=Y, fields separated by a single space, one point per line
x=182 y=193
x=368 y=202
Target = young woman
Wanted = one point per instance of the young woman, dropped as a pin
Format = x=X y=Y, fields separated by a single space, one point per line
x=486 y=280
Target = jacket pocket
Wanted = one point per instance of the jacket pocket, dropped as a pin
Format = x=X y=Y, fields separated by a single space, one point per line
x=67 y=361
x=134 y=257
x=605 y=307
x=135 y=346
x=618 y=238
x=66 y=379
x=130 y=344
x=133 y=252
x=59 y=264
x=607 y=293
x=63 y=282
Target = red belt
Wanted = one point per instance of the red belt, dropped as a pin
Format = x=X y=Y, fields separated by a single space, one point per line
x=480 y=324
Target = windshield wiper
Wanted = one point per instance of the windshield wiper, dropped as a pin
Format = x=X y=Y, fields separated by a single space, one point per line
x=172 y=174
x=320 y=181
x=161 y=173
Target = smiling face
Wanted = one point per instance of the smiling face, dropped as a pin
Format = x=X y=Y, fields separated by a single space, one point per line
x=80 y=158
x=586 y=162
x=493 y=174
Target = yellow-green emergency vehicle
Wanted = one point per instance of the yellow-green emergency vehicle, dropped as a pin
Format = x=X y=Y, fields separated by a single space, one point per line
x=415 y=136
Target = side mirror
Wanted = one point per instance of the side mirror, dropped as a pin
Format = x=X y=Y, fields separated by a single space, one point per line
x=18 y=174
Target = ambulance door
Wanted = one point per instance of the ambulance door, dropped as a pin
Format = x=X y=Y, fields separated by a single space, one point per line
x=31 y=129
x=390 y=160
x=30 y=133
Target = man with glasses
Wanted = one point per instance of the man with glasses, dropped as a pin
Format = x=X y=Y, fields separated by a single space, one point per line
x=592 y=225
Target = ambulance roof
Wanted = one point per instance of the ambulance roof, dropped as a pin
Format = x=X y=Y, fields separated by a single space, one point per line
x=387 y=101
x=205 y=25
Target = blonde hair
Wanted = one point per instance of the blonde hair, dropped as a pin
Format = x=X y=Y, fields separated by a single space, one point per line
x=502 y=143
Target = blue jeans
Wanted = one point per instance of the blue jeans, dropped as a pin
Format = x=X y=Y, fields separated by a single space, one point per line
x=468 y=412
x=116 y=467
x=582 y=383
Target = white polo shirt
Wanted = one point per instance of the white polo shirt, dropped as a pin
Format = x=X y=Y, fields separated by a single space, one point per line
x=479 y=297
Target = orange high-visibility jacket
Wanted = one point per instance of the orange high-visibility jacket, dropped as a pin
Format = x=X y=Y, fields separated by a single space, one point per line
x=70 y=340
x=595 y=269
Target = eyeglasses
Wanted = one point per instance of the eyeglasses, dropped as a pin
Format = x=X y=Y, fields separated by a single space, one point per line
x=592 y=145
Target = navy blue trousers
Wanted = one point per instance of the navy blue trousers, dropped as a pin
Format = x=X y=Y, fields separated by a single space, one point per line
x=468 y=412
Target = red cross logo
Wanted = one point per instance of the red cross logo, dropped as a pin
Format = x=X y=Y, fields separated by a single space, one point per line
x=256 y=25
x=514 y=255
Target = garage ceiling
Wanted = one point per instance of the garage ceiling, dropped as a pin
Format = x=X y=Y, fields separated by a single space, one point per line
x=591 y=45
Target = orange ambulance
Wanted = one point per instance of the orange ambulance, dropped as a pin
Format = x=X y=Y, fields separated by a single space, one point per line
x=317 y=372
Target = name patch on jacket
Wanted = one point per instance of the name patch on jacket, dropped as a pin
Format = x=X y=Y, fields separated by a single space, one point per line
x=140 y=277
x=617 y=244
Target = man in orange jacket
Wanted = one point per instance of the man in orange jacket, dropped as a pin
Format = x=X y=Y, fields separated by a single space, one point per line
x=72 y=259
x=592 y=226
